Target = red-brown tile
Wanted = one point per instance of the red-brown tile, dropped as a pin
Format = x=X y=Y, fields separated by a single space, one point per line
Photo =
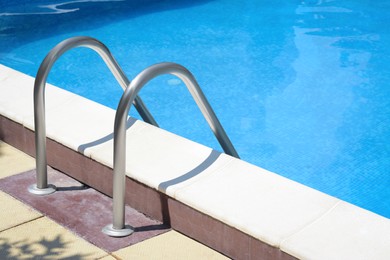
x=219 y=236
x=81 y=209
x=261 y=250
x=29 y=142
x=147 y=200
x=80 y=167
x=11 y=132
x=197 y=225
x=236 y=243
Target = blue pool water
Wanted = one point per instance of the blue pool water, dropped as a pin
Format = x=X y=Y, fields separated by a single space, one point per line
x=301 y=87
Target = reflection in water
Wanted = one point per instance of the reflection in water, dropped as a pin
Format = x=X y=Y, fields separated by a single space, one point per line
x=26 y=21
x=335 y=115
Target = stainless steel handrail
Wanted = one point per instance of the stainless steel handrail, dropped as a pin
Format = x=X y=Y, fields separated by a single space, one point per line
x=118 y=228
x=42 y=187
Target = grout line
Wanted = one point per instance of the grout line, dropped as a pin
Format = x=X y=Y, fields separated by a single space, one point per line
x=117 y=257
x=109 y=254
x=203 y=177
x=309 y=224
x=31 y=220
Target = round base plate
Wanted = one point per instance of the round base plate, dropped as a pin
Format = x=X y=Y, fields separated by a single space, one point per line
x=113 y=232
x=45 y=191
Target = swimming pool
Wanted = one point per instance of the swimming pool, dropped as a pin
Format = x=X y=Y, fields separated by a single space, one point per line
x=301 y=88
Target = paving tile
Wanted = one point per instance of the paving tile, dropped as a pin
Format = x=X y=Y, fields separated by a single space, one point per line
x=14 y=213
x=82 y=210
x=162 y=160
x=13 y=161
x=345 y=232
x=257 y=202
x=44 y=239
x=78 y=123
x=171 y=245
x=16 y=101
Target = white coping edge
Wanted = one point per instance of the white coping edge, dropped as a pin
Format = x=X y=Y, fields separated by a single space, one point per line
x=301 y=221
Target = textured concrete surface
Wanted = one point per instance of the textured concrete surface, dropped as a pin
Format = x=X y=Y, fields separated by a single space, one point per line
x=13 y=161
x=14 y=213
x=44 y=239
x=170 y=245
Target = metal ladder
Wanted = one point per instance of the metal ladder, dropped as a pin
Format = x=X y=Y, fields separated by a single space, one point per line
x=42 y=187
x=131 y=89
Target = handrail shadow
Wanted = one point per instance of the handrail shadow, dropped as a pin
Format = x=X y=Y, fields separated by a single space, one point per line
x=130 y=122
x=73 y=188
x=213 y=156
x=151 y=228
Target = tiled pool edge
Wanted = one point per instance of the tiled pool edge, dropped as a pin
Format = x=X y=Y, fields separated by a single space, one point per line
x=145 y=199
x=231 y=241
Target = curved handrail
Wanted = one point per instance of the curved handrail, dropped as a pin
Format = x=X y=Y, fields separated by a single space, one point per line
x=42 y=186
x=118 y=226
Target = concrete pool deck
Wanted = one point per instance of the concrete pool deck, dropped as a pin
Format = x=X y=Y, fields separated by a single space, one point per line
x=234 y=207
